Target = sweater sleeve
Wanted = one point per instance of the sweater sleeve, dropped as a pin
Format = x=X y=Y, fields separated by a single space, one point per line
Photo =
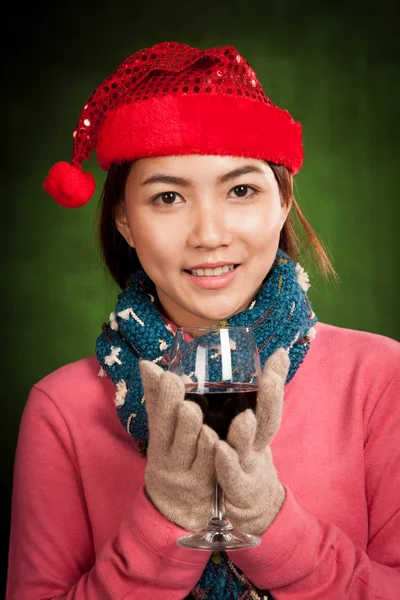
x=306 y=558
x=51 y=547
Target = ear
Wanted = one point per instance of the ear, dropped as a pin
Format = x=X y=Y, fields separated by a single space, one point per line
x=285 y=210
x=122 y=223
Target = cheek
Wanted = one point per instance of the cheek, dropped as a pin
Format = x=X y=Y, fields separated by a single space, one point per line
x=154 y=239
x=260 y=227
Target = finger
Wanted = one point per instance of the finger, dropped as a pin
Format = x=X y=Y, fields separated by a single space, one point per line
x=204 y=464
x=230 y=474
x=241 y=434
x=188 y=428
x=270 y=398
x=165 y=407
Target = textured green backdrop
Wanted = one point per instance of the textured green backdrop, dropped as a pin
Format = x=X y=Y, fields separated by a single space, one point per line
x=335 y=69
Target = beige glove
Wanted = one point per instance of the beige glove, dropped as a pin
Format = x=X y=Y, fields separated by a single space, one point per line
x=244 y=465
x=180 y=471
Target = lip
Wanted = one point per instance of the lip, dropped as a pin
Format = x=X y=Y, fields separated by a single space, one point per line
x=210 y=265
x=213 y=283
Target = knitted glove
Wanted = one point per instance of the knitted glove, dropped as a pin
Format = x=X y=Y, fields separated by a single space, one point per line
x=244 y=465
x=180 y=472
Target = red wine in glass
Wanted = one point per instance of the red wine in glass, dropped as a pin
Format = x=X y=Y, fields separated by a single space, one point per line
x=220 y=403
x=220 y=368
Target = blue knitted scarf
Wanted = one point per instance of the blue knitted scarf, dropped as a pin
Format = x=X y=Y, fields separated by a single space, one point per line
x=280 y=316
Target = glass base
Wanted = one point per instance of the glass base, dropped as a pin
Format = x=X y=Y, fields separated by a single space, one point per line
x=219 y=535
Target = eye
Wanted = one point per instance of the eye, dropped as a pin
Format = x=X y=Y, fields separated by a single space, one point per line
x=243 y=191
x=167 y=199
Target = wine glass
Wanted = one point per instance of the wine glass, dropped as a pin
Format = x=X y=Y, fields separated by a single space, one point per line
x=220 y=367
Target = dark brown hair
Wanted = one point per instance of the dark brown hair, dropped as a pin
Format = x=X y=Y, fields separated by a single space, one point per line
x=297 y=236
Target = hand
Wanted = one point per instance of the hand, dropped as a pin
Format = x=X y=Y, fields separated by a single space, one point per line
x=244 y=465
x=180 y=472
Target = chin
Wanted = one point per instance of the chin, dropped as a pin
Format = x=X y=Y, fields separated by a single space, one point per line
x=217 y=315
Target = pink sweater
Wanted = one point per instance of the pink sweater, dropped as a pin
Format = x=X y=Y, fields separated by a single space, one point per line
x=83 y=529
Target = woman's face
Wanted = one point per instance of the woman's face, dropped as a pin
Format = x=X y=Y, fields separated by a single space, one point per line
x=206 y=231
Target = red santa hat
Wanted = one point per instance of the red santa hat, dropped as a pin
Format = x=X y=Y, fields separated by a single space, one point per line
x=172 y=99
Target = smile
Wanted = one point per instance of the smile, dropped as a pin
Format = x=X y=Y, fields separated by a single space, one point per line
x=213 y=279
x=212 y=272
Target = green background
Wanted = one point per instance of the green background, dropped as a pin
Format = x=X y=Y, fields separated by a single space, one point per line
x=335 y=68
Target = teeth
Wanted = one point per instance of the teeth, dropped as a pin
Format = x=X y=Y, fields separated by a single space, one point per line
x=212 y=272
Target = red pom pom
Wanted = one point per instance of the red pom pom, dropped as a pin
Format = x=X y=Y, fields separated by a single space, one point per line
x=69 y=185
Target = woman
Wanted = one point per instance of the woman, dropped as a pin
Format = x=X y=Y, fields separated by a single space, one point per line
x=196 y=229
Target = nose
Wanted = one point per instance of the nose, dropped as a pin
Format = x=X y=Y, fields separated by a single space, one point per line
x=209 y=227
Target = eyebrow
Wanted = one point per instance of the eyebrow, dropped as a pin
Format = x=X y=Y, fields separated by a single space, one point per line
x=182 y=181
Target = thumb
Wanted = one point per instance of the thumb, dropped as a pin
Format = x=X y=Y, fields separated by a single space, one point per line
x=270 y=397
x=150 y=372
x=151 y=377
x=279 y=363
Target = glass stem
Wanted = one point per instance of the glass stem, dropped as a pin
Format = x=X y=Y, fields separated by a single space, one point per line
x=218 y=511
